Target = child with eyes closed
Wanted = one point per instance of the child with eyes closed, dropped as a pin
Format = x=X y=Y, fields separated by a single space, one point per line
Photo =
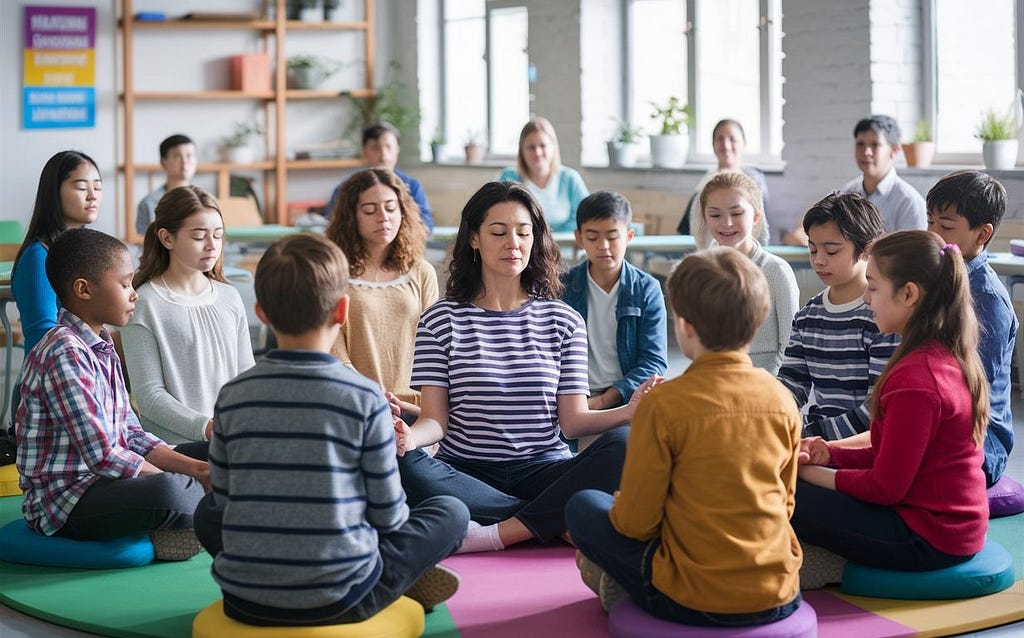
x=189 y=334
x=733 y=214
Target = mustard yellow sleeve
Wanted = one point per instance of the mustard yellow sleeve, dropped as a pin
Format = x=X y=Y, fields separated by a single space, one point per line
x=640 y=506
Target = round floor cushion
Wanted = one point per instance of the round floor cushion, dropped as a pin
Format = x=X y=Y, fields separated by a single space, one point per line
x=401 y=619
x=9 y=480
x=989 y=572
x=627 y=620
x=19 y=543
x=1005 y=498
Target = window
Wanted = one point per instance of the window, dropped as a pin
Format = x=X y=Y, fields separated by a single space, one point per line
x=485 y=74
x=971 y=69
x=722 y=57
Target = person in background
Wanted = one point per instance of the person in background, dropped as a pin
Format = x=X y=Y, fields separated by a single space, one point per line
x=558 y=189
x=729 y=141
x=380 y=150
x=178 y=159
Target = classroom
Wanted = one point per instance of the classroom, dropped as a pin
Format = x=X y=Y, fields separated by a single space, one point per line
x=563 y=257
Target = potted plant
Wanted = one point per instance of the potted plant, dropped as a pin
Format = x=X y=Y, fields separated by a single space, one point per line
x=475 y=146
x=235 y=148
x=921 y=150
x=998 y=133
x=624 y=145
x=668 y=148
x=437 y=146
x=331 y=12
x=309 y=71
x=306 y=10
x=389 y=103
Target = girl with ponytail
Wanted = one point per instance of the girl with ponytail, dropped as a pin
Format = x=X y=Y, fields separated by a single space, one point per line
x=914 y=499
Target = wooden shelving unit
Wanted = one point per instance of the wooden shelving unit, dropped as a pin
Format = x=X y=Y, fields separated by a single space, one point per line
x=274 y=34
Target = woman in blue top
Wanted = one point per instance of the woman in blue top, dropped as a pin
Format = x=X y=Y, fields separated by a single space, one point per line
x=558 y=189
x=501 y=364
x=69 y=195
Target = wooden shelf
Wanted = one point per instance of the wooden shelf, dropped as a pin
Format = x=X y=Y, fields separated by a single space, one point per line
x=299 y=25
x=211 y=167
x=320 y=94
x=254 y=25
x=203 y=95
x=305 y=165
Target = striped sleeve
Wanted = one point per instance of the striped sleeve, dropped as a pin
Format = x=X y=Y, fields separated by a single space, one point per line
x=385 y=500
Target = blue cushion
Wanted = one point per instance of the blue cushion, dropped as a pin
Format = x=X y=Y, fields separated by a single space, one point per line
x=21 y=544
x=1005 y=498
x=627 y=620
x=989 y=572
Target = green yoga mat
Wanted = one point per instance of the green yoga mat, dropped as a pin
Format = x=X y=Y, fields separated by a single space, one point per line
x=156 y=601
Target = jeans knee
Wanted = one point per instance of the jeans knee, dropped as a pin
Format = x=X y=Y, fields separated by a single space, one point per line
x=582 y=506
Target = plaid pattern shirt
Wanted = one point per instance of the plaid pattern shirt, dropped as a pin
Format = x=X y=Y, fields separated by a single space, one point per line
x=74 y=425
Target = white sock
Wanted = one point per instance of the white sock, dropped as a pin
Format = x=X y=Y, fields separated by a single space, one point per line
x=480 y=539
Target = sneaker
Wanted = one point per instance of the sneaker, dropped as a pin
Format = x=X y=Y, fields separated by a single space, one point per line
x=434 y=587
x=589 y=572
x=609 y=591
x=820 y=567
x=175 y=544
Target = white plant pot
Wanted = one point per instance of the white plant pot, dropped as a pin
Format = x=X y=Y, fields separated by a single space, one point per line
x=316 y=14
x=669 y=151
x=239 y=154
x=999 y=155
x=622 y=155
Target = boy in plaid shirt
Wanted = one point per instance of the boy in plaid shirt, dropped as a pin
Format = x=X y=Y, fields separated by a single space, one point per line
x=88 y=469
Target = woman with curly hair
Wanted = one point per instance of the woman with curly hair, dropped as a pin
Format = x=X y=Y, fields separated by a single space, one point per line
x=502 y=366
x=377 y=225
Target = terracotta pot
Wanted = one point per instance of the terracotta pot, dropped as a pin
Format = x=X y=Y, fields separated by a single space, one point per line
x=919 y=154
x=474 y=153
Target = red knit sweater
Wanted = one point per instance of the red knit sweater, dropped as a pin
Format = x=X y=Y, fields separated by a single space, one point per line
x=923 y=461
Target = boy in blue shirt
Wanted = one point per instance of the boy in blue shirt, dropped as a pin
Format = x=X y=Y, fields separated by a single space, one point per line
x=622 y=306
x=965 y=208
x=307 y=520
x=835 y=352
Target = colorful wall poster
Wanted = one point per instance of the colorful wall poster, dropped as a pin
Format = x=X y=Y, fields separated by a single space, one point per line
x=59 y=89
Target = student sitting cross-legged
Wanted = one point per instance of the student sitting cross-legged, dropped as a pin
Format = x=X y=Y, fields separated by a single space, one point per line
x=88 y=470
x=622 y=306
x=836 y=351
x=699 y=532
x=307 y=520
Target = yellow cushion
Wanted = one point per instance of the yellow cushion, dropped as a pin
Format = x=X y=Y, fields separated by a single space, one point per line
x=9 y=480
x=401 y=619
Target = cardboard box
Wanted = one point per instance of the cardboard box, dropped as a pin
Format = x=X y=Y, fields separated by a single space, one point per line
x=250 y=72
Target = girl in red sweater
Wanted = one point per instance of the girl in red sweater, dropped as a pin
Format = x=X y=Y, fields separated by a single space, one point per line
x=914 y=500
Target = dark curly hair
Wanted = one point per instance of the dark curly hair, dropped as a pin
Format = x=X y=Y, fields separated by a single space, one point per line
x=539 y=279
x=410 y=243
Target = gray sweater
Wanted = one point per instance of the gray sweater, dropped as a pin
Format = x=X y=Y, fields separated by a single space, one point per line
x=303 y=467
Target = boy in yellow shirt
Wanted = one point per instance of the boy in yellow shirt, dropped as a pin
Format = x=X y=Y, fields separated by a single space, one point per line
x=699 y=532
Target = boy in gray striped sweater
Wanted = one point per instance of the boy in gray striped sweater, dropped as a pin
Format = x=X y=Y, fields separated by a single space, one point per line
x=835 y=351
x=307 y=520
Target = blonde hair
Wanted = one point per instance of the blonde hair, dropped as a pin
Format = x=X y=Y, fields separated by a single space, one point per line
x=538 y=125
x=728 y=180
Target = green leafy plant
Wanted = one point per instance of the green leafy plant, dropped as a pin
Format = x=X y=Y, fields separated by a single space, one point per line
x=438 y=138
x=388 y=104
x=304 y=62
x=332 y=4
x=923 y=131
x=997 y=126
x=626 y=133
x=674 y=115
x=242 y=133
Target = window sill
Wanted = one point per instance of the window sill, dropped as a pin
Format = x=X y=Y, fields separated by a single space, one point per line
x=939 y=170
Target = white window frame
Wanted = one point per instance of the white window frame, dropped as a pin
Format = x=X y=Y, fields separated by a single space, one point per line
x=929 y=75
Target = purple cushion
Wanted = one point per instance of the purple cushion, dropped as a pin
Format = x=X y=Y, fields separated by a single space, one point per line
x=1005 y=498
x=627 y=620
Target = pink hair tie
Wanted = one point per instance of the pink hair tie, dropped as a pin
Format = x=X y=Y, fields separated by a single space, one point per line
x=952 y=247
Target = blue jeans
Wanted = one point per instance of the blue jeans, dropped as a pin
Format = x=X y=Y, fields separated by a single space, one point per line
x=535 y=491
x=433 y=531
x=865 y=533
x=628 y=561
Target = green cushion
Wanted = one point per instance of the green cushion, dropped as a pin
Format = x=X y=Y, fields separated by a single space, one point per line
x=989 y=572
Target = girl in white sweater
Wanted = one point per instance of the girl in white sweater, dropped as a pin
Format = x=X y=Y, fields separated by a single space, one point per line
x=733 y=212
x=189 y=334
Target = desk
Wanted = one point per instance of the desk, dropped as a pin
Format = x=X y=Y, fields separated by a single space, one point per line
x=6 y=296
x=265 y=234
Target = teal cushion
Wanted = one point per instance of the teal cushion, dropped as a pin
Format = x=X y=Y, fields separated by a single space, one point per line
x=21 y=544
x=990 y=571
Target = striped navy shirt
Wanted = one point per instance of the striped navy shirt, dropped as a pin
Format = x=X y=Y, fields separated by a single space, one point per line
x=835 y=355
x=503 y=371
x=303 y=467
